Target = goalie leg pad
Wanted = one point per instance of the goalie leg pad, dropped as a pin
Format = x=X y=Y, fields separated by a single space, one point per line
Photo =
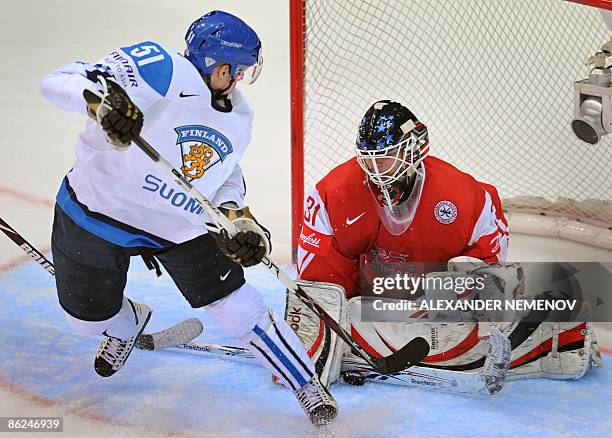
x=554 y=350
x=322 y=344
x=454 y=344
x=596 y=361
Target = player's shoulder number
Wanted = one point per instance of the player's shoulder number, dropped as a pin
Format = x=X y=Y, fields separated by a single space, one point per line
x=153 y=63
x=146 y=54
x=311 y=211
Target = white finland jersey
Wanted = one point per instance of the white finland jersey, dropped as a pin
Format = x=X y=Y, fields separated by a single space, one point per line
x=123 y=196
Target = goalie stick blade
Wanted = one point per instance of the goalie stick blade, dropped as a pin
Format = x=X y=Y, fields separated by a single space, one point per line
x=410 y=354
x=174 y=336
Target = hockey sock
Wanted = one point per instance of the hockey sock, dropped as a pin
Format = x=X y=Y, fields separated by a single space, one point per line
x=276 y=346
x=279 y=349
x=122 y=325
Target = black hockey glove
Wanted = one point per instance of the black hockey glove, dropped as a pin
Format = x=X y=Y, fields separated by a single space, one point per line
x=245 y=248
x=123 y=121
x=251 y=244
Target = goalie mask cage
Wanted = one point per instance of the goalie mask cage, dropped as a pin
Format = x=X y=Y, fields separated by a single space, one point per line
x=492 y=80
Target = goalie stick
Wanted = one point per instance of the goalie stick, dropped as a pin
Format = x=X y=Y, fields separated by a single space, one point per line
x=408 y=355
x=489 y=381
x=184 y=331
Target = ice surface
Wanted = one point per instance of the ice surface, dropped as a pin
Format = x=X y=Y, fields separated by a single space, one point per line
x=187 y=393
x=45 y=370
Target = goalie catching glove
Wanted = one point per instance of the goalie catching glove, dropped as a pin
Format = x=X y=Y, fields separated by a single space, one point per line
x=251 y=244
x=120 y=119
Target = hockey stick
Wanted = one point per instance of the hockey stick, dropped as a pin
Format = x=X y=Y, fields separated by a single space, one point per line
x=184 y=331
x=409 y=354
x=488 y=381
x=27 y=248
x=172 y=336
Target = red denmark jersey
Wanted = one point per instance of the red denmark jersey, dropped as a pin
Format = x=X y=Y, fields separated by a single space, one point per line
x=456 y=215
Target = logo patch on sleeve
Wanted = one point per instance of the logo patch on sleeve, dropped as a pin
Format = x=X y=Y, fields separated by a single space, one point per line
x=445 y=212
x=313 y=241
x=201 y=149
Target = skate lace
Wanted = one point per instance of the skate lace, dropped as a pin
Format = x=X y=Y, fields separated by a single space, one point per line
x=312 y=395
x=113 y=350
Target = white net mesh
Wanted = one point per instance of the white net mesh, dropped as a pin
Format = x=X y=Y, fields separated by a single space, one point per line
x=492 y=80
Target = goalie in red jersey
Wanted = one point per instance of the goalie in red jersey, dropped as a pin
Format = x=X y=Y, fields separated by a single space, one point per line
x=396 y=209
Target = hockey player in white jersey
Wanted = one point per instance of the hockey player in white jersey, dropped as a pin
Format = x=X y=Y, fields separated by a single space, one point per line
x=115 y=203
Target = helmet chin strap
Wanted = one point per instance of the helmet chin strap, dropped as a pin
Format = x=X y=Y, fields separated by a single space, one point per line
x=217 y=94
x=220 y=94
x=220 y=100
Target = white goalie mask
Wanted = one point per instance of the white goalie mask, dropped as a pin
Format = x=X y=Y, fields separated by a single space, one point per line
x=390 y=147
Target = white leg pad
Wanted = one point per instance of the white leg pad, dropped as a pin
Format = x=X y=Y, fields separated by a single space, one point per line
x=122 y=325
x=323 y=345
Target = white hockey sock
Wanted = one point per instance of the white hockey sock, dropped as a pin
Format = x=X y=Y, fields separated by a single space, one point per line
x=279 y=349
x=276 y=346
x=122 y=325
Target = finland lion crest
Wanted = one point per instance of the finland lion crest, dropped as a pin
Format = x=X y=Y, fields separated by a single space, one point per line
x=201 y=149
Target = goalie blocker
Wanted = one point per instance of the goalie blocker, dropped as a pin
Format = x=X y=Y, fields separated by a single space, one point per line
x=551 y=350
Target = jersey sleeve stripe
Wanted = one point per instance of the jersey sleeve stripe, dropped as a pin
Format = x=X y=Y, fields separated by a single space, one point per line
x=486 y=223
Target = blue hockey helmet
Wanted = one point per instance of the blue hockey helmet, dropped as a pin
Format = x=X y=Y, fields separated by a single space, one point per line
x=222 y=38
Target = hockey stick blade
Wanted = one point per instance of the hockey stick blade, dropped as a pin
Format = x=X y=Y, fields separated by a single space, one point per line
x=410 y=354
x=178 y=334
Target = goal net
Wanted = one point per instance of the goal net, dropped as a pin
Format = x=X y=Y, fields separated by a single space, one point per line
x=492 y=80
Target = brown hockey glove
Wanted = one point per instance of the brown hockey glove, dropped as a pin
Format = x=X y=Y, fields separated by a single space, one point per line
x=123 y=121
x=251 y=244
x=245 y=247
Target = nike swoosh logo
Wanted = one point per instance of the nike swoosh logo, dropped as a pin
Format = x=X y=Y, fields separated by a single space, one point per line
x=223 y=277
x=109 y=336
x=187 y=95
x=135 y=312
x=352 y=221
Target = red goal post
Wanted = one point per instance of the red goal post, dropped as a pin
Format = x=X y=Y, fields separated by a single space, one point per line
x=493 y=81
x=601 y=4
